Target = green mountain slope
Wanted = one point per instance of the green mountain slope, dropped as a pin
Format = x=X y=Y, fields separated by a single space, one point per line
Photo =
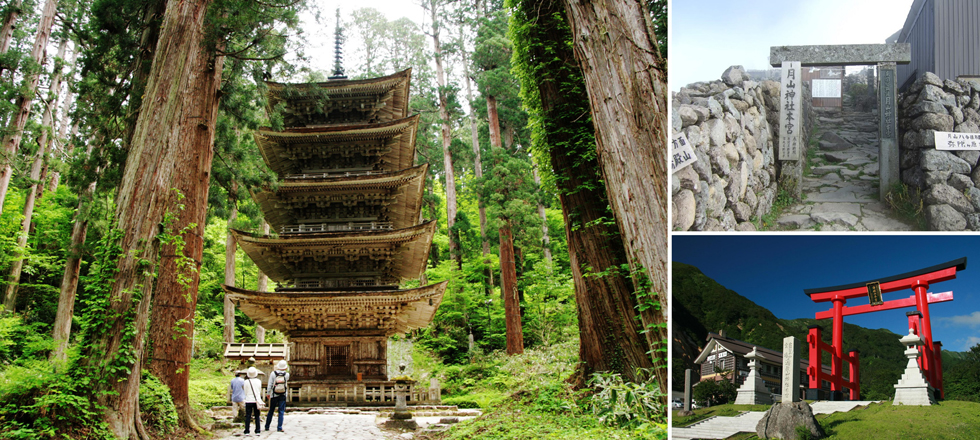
x=701 y=305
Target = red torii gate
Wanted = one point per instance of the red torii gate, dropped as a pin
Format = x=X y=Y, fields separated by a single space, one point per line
x=918 y=281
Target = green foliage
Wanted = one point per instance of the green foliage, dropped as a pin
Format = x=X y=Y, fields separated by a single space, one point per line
x=36 y=402
x=710 y=392
x=157 y=408
x=907 y=203
x=632 y=405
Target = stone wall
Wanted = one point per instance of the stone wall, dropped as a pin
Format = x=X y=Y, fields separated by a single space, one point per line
x=946 y=181
x=732 y=124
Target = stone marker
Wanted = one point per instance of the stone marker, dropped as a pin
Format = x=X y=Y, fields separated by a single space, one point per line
x=753 y=391
x=688 y=378
x=435 y=391
x=912 y=388
x=790 y=104
x=888 y=170
x=791 y=369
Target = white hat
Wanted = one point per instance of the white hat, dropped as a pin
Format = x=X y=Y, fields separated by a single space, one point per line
x=252 y=372
x=281 y=365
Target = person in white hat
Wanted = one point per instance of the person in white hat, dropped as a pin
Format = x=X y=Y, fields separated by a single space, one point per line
x=277 y=389
x=253 y=398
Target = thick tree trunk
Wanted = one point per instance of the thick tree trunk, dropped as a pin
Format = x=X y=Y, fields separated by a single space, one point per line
x=263 y=285
x=508 y=283
x=9 y=24
x=454 y=251
x=171 y=148
x=15 y=129
x=627 y=85
x=230 y=248
x=36 y=190
x=493 y=121
x=608 y=330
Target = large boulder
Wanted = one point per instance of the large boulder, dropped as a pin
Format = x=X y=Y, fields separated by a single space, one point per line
x=734 y=76
x=781 y=420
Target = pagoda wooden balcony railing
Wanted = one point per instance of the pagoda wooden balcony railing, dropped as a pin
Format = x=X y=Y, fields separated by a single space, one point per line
x=333 y=283
x=327 y=174
x=377 y=393
x=327 y=227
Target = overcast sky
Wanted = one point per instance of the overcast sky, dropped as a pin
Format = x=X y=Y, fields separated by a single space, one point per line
x=320 y=33
x=707 y=36
x=772 y=271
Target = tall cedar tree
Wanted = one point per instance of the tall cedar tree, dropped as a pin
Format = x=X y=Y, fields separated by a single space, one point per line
x=15 y=129
x=626 y=81
x=554 y=92
x=169 y=159
x=451 y=208
x=249 y=38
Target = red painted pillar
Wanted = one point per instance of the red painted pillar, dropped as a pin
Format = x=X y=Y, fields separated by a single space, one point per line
x=836 y=368
x=914 y=325
x=938 y=350
x=922 y=304
x=855 y=374
x=815 y=368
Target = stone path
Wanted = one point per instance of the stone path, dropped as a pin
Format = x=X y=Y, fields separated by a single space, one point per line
x=336 y=423
x=724 y=427
x=841 y=190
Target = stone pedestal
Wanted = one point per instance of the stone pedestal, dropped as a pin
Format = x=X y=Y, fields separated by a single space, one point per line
x=912 y=388
x=753 y=391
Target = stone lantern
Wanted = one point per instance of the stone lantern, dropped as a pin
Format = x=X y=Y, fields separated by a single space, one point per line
x=402 y=418
x=912 y=388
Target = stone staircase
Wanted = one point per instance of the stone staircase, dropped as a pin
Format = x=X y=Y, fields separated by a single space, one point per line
x=724 y=427
x=841 y=192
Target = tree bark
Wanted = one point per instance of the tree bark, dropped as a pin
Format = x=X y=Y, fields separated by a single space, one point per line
x=610 y=338
x=508 y=283
x=171 y=148
x=36 y=190
x=627 y=85
x=451 y=210
x=230 y=248
x=15 y=129
x=9 y=24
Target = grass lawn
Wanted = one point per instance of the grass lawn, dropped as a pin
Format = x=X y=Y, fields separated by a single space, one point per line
x=948 y=420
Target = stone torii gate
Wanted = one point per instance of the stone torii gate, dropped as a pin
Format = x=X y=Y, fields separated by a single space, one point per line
x=918 y=281
x=886 y=56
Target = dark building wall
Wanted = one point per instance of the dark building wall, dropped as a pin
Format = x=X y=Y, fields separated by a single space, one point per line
x=920 y=33
x=945 y=39
x=957 y=25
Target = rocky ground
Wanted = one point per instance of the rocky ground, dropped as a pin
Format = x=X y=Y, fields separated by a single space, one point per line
x=840 y=191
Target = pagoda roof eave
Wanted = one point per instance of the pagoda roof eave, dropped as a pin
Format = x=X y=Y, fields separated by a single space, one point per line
x=330 y=311
x=398 y=82
x=275 y=146
x=405 y=187
x=408 y=247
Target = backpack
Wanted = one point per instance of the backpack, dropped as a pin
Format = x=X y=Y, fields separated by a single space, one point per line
x=280 y=384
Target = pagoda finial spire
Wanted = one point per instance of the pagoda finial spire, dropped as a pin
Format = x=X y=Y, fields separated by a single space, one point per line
x=338 y=64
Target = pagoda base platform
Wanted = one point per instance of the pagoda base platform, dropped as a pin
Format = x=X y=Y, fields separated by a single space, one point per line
x=355 y=393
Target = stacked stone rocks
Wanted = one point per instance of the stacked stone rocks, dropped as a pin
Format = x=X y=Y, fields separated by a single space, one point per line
x=948 y=181
x=728 y=123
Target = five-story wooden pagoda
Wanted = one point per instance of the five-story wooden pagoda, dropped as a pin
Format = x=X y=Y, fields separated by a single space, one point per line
x=347 y=216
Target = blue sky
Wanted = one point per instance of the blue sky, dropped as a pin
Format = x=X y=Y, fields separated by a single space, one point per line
x=773 y=270
x=707 y=36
